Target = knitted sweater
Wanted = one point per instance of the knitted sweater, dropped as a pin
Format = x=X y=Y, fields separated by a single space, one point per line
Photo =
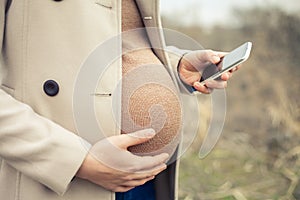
x=149 y=98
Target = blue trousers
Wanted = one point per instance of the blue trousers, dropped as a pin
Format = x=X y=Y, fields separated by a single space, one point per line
x=143 y=192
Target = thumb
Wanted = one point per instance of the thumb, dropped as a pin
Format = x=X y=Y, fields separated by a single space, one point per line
x=135 y=138
x=213 y=56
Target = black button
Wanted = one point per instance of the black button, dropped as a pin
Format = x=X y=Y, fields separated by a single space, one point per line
x=51 y=88
x=57 y=0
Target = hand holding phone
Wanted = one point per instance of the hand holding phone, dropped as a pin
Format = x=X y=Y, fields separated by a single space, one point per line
x=228 y=62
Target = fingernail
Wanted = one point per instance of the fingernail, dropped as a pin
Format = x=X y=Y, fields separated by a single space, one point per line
x=215 y=59
x=148 y=132
x=197 y=84
x=166 y=156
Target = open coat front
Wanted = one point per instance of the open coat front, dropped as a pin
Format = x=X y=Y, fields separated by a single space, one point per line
x=44 y=44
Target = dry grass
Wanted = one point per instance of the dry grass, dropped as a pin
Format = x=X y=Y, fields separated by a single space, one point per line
x=258 y=155
x=286 y=113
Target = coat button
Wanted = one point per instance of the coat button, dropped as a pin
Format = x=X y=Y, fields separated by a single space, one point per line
x=51 y=88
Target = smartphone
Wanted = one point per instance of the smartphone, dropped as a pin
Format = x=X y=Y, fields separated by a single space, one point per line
x=228 y=62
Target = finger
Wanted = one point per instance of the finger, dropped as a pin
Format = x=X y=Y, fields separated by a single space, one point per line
x=216 y=84
x=149 y=172
x=135 y=183
x=201 y=88
x=235 y=69
x=221 y=54
x=210 y=56
x=215 y=56
x=138 y=137
x=122 y=189
x=154 y=161
x=226 y=76
x=145 y=174
x=151 y=162
x=201 y=57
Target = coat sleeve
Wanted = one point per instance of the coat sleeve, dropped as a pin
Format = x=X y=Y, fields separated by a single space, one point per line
x=175 y=54
x=34 y=145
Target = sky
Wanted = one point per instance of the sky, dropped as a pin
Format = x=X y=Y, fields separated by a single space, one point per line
x=211 y=12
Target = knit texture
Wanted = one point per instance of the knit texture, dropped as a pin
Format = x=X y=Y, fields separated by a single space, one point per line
x=149 y=97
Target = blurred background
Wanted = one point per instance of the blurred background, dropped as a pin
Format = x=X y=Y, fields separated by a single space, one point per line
x=258 y=154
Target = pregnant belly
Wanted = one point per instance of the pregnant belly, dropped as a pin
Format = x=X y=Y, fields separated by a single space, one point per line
x=150 y=100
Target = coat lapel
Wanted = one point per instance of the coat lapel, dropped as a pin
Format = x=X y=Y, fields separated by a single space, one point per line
x=149 y=10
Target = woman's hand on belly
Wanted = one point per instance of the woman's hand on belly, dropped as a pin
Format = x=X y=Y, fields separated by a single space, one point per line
x=110 y=165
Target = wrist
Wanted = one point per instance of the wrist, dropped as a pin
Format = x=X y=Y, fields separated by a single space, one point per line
x=83 y=171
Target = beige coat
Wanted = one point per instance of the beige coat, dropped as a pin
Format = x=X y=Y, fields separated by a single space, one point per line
x=49 y=40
